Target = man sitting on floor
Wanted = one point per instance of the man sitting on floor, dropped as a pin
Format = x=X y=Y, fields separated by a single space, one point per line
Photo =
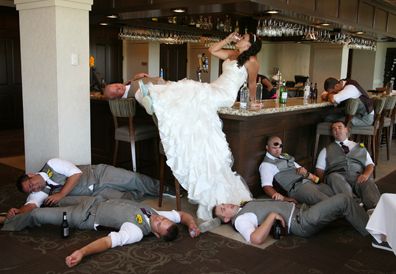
x=59 y=178
x=347 y=167
x=300 y=185
x=255 y=219
x=133 y=220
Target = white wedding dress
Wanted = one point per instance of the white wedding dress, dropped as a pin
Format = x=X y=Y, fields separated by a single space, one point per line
x=191 y=132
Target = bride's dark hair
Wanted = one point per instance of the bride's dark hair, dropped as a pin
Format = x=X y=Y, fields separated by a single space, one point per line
x=252 y=51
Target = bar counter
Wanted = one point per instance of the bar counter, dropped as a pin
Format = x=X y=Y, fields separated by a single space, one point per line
x=247 y=130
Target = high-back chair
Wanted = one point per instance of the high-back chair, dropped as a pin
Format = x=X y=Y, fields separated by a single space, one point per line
x=388 y=120
x=323 y=128
x=132 y=133
x=372 y=131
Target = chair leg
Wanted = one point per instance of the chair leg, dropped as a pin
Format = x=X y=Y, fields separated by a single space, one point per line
x=315 y=148
x=389 y=141
x=161 y=179
x=177 y=188
x=133 y=153
x=115 y=152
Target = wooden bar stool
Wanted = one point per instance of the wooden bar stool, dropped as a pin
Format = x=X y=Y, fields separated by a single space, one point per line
x=126 y=108
x=162 y=175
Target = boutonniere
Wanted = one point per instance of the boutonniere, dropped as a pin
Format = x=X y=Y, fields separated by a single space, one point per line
x=361 y=145
x=49 y=173
x=139 y=218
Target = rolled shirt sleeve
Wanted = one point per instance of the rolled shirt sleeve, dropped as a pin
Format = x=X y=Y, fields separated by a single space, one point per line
x=129 y=233
x=246 y=224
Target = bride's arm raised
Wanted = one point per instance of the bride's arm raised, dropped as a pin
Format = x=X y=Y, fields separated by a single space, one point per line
x=217 y=48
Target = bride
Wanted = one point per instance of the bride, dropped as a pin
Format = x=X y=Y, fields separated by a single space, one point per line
x=191 y=131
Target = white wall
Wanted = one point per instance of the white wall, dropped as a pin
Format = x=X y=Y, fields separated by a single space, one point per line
x=136 y=58
x=291 y=58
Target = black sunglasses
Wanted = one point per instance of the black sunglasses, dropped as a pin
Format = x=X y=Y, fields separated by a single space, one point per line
x=276 y=144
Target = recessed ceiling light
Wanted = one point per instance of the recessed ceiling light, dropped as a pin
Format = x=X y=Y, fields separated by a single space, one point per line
x=360 y=32
x=325 y=24
x=272 y=11
x=112 y=16
x=179 y=10
x=103 y=24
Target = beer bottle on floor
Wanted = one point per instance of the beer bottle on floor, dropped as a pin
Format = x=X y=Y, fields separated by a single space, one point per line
x=65 y=226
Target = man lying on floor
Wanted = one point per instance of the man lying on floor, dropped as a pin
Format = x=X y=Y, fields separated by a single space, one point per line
x=255 y=219
x=59 y=178
x=133 y=220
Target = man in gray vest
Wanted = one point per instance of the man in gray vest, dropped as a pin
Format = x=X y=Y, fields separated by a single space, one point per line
x=129 y=89
x=347 y=167
x=133 y=221
x=337 y=91
x=255 y=219
x=300 y=185
x=59 y=178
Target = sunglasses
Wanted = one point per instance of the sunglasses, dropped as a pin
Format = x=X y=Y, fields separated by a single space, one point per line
x=276 y=144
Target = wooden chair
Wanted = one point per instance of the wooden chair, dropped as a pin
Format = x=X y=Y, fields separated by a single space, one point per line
x=372 y=132
x=126 y=108
x=388 y=120
x=162 y=175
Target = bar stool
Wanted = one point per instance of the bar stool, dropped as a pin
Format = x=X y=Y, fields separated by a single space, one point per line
x=372 y=132
x=126 y=108
x=388 y=118
x=323 y=128
x=162 y=175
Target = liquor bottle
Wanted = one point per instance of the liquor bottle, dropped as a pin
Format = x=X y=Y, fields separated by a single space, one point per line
x=65 y=226
x=236 y=27
x=259 y=90
x=307 y=90
x=161 y=73
x=209 y=225
x=315 y=92
x=244 y=97
x=283 y=93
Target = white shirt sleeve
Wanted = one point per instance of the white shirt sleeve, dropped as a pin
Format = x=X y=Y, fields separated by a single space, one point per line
x=349 y=91
x=246 y=224
x=36 y=198
x=321 y=161
x=63 y=167
x=267 y=173
x=173 y=215
x=129 y=233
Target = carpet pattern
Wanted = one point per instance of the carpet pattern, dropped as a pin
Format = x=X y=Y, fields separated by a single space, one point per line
x=337 y=249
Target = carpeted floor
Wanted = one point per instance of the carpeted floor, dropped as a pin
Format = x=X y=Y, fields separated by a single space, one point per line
x=337 y=249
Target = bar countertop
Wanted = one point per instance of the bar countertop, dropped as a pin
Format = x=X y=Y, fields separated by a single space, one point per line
x=272 y=106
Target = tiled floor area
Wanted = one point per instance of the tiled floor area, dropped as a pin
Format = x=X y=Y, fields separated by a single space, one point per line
x=384 y=167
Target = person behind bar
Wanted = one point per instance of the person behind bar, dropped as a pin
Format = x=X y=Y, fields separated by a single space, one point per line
x=347 y=167
x=59 y=178
x=337 y=91
x=190 y=128
x=299 y=185
x=269 y=91
x=255 y=219
x=128 y=90
x=133 y=221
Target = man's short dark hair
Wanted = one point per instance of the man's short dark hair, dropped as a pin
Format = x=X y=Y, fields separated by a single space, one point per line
x=339 y=121
x=20 y=180
x=171 y=233
x=330 y=83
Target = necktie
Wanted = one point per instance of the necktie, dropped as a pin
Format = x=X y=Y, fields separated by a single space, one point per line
x=52 y=188
x=344 y=148
x=146 y=212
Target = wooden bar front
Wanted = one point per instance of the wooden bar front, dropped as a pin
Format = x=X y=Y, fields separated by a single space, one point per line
x=247 y=130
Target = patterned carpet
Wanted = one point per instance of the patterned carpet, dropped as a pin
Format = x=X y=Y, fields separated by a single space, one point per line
x=337 y=249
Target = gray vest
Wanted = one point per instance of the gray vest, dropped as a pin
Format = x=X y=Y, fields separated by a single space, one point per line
x=54 y=176
x=261 y=208
x=113 y=213
x=287 y=175
x=338 y=161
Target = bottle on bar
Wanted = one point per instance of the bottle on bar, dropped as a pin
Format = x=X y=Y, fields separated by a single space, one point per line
x=315 y=92
x=65 y=226
x=307 y=90
x=161 y=73
x=259 y=91
x=283 y=93
x=244 y=97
